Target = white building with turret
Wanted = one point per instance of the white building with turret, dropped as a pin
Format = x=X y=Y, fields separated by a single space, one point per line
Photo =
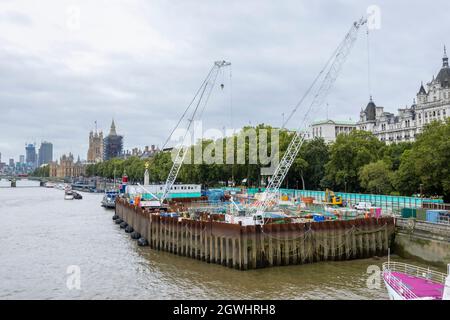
x=431 y=104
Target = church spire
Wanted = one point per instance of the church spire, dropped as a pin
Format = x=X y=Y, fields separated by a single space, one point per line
x=445 y=59
x=112 y=131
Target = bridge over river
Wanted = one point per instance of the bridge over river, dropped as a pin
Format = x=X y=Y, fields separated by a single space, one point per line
x=13 y=182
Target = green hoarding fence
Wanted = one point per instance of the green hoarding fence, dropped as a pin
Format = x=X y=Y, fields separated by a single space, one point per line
x=395 y=203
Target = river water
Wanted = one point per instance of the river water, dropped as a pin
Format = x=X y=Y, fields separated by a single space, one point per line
x=43 y=235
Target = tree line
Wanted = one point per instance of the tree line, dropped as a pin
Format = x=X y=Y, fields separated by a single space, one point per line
x=43 y=171
x=356 y=162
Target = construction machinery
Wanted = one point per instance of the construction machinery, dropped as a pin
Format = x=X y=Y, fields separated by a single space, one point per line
x=332 y=199
x=331 y=71
x=200 y=101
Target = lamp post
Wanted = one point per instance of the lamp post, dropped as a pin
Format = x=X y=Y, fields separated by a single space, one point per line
x=146 y=175
x=114 y=173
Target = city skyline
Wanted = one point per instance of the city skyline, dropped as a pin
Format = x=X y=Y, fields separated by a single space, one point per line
x=78 y=74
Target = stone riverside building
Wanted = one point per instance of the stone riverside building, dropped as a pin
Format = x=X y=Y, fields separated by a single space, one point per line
x=95 y=151
x=330 y=129
x=432 y=103
x=67 y=167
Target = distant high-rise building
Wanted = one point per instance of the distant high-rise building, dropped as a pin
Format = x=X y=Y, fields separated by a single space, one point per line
x=45 y=153
x=22 y=159
x=11 y=163
x=31 y=155
x=0 y=157
x=95 y=151
x=113 y=144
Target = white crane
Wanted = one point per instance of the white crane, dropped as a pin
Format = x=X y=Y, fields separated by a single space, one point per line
x=335 y=65
x=200 y=100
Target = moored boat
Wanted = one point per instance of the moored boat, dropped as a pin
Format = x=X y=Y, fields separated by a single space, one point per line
x=408 y=282
x=109 y=199
x=76 y=195
x=68 y=195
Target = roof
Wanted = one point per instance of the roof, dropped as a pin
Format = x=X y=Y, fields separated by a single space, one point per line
x=335 y=122
x=444 y=77
x=371 y=111
x=422 y=90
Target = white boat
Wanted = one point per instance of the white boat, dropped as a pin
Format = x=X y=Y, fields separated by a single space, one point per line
x=408 y=282
x=68 y=195
x=176 y=191
x=60 y=186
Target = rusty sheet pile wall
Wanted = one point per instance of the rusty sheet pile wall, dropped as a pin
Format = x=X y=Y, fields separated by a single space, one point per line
x=251 y=247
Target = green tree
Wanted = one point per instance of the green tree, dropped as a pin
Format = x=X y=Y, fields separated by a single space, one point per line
x=428 y=162
x=43 y=171
x=347 y=155
x=392 y=153
x=376 y=177
x=405 y=179
x=316 y=155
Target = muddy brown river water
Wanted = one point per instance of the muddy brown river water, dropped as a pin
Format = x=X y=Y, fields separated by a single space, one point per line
x=45 y=237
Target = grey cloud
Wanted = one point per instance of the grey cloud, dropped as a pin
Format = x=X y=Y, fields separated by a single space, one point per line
x=16 y=18
x=276 y=49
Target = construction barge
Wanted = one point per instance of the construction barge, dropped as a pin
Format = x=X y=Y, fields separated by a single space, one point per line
x=245 y=247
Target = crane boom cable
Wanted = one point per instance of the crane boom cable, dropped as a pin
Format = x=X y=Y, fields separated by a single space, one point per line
x=297 y=141
x=308 y=91
x=208 y=95
x=188 y=107
x=369 y=71
x=181 y=152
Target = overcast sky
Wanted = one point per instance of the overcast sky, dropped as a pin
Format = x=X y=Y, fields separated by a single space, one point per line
x=140 y=62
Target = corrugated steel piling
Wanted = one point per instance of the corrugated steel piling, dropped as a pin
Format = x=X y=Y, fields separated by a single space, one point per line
x=252 y=247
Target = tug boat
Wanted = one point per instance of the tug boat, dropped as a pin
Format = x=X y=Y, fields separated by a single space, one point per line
x=408 y=282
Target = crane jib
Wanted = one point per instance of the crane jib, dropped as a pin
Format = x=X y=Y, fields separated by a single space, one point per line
x=335 y=66
x=202 y=95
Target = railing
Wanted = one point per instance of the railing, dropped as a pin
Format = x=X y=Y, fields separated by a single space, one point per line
x=415 y=271
x=441 y=229
x=436 y=206
x=399 y=286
